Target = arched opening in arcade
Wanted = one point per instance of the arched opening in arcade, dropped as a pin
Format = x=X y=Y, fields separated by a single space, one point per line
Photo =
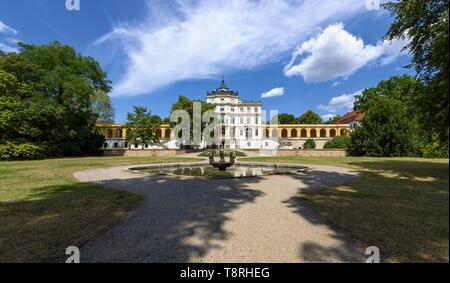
x=294 y=133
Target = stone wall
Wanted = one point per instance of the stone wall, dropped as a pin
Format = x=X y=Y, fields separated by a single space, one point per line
x=299 y=142
x=312 y=153
x=142 y=153
x=173 y=152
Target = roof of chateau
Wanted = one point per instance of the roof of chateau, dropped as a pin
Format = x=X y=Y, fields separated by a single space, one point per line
x=223 y=90
x=355 y=116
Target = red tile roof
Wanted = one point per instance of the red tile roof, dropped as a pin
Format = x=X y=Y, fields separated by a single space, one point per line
x=355 y=116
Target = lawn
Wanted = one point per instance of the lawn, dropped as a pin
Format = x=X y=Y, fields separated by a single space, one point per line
x=43 y=209
x=400 y=205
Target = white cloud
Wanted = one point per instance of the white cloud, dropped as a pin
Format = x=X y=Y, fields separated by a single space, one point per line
x=7 y=48
x=342 y=103
x=393 y=49
x=278 y=91
x=336 y=83
x=6 y=29
x=336 y=53
x=328 y=117
x=204 y=39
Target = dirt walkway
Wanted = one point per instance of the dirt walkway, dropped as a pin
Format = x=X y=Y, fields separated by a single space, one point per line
x=214 y=220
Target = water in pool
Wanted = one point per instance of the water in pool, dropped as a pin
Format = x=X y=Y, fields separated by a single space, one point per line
x=236 y=171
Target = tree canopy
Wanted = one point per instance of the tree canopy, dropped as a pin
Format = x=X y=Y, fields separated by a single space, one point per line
x=285 y=118
x=310 y=117
x=426 y=24
x=141 y=127
x=48 y=97
x=385 y=131
x=389 y=127
x=187 y=105
x=333 y=120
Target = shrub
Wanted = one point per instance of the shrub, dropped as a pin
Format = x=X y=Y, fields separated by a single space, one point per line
x=23 y=151
x=309 y=144
x=340 y=142
x=434 y=150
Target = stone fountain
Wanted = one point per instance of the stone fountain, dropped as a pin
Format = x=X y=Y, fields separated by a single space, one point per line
x=222 y=165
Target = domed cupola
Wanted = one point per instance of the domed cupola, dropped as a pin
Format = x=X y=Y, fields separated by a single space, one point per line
x=222 y=90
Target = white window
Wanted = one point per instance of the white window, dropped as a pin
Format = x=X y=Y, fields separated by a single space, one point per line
x=222 y=109
x=249 y=109
x=256 y=109
x=232 y=109
x=242 y=120
x=248 y=120
x=256 y=133
x=257 y=120
x=242 y=109
x=242 y=133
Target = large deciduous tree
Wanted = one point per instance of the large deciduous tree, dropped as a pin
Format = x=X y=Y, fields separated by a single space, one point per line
x=390 y=127
x=426 y=24
x=48 y=97
x=385 y=131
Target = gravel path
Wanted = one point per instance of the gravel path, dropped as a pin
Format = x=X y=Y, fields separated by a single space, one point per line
x=220 y=220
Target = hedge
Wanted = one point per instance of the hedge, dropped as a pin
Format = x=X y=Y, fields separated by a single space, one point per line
x=23 y=151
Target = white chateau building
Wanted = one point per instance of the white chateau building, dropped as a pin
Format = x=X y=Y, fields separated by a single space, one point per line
x=241 y=125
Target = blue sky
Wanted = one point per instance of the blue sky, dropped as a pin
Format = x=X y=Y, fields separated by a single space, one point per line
x=306 y=54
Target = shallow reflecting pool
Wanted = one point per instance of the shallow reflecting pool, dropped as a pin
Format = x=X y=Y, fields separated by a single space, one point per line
x=236 y=171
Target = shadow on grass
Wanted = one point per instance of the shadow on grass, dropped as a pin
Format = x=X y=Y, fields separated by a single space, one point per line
x=178 y=221
x=399 y=206
x=410 y=169
x=40 y=227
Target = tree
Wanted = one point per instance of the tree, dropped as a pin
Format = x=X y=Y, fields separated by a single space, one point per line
x=426 y=24
x=53 y=99
x=386 y=130
x=285 y=119
x=310 y=117
x=102 y=106
x=403 y=88
x=187 y=105
x=309 y=144
x=156 y=120
x=141 y=127
x=333 y=120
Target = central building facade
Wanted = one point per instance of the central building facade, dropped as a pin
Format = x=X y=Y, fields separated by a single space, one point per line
x=241 y=125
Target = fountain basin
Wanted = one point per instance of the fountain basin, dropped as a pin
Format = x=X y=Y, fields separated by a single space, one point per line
x=209 y=171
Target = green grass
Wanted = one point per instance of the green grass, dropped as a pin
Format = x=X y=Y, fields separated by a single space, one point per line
x=400 y=205
x=43 y=209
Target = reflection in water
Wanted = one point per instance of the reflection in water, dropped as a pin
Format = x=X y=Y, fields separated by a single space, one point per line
x=235 y=171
